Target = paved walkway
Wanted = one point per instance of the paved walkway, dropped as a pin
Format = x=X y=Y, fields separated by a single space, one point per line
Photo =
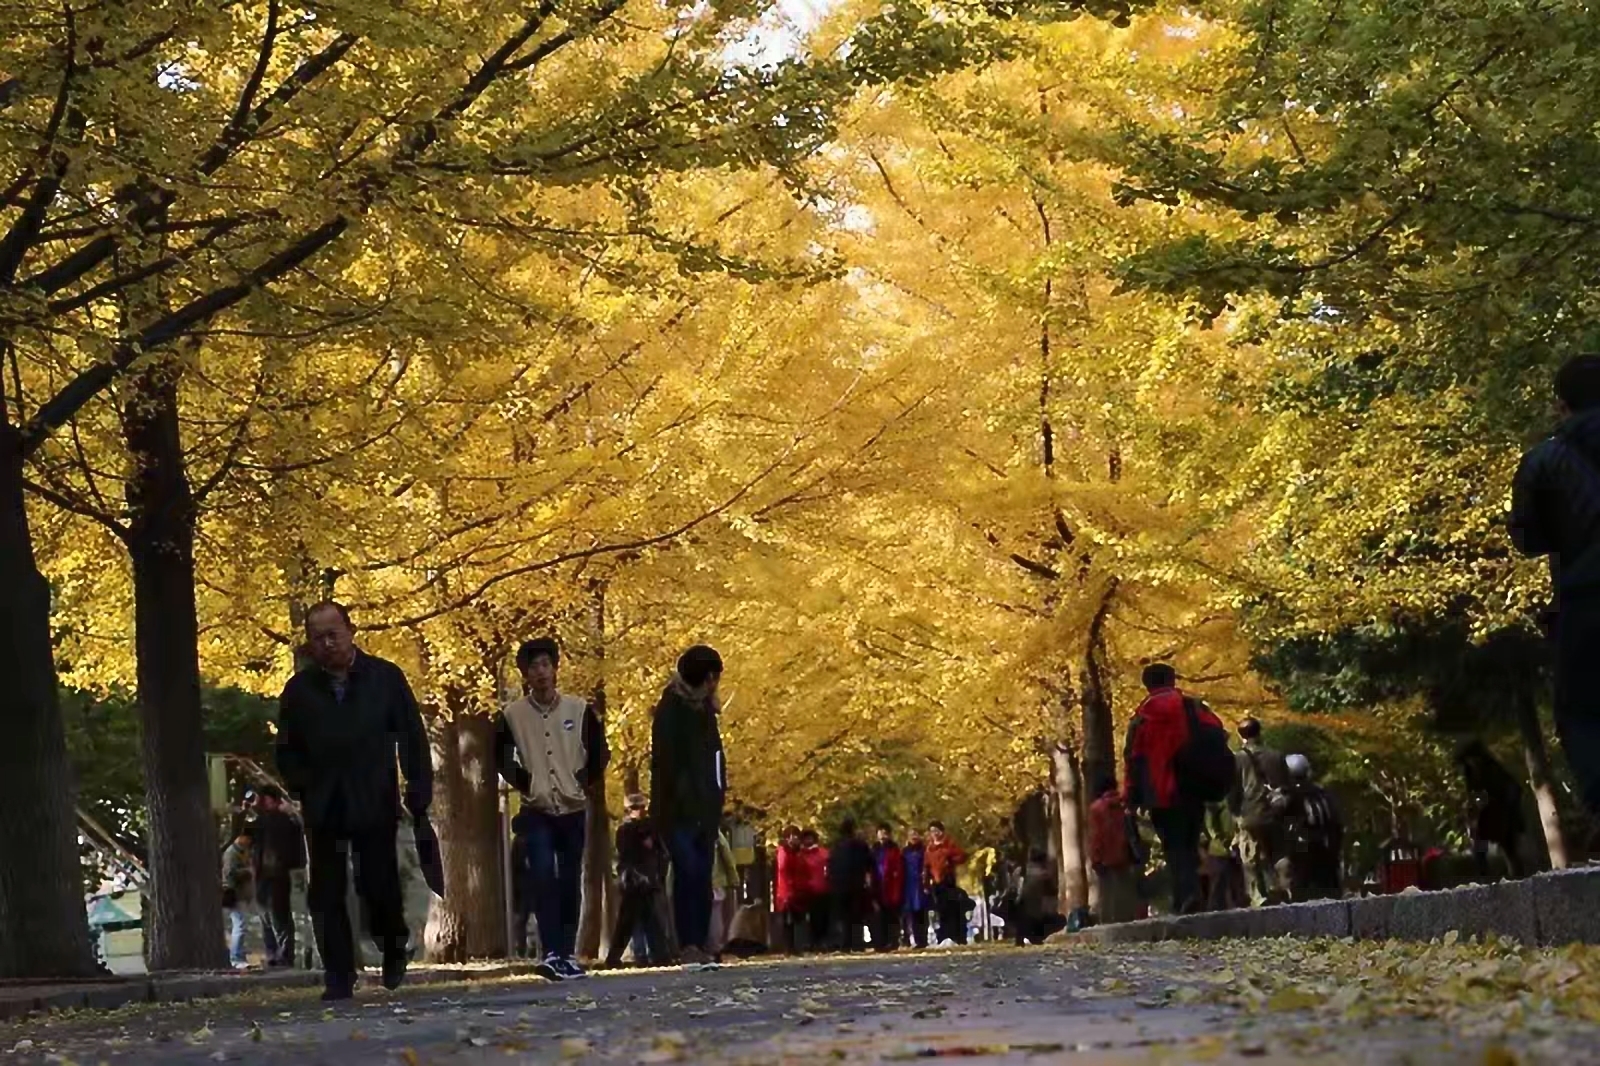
x=1077 y=1006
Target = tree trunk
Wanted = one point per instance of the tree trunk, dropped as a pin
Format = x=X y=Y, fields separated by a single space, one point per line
x=470 y=922
x=1542 y=780
x=184 y=923
x=1099 y=725
x=44 y=929
x=1067 y=779
x=593 y=928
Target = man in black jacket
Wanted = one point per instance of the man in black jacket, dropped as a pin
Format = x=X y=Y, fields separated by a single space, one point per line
x=341 y=722
x=688 y=782
x=551 y=747
x=1555 y=512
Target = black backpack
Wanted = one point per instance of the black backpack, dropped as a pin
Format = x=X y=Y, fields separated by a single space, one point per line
x=1204 y=766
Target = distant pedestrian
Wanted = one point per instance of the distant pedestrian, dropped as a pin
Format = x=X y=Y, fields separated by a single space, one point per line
x=943 y=857
x=1495 y=798
x=890 y=863
x=688 y=783
x=789 y=898
x=280 y=853
x=343 y=724
x=1111 y=855
x=1315 y=834
x=1257 y=803
x=917 y=903
x=1037 y=913
x=852 y=885
x=1220 y=868
x=814 y=889
x=641 y=873
x=1157 y=754
x=551 y=747
x=1555 y=512
x=726 y=885
x=238 y=893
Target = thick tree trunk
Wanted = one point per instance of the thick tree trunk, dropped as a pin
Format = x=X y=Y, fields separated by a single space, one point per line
x=184 y=922
x=1542 y=779
x=470 y=922
x=1099 y=725
x=1067 y=778
x=44 y=930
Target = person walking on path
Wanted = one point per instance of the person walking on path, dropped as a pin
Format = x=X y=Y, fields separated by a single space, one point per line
x=342 y=722
x=238 y=892
x=1111 y=855
x=1257 y=803
x=814 y=889
x=788 y=897
x=280 y=852
x=1555 y=512
x=1316 y=836
x=725 y=888
x=551 y=747
x=640 y=876
x=688 y=784
x=1158 y=736
x=890 y=864
x=914 y=856
x=942 y=858
x=852 y=884
x=1038 y=910
x=1495 y=799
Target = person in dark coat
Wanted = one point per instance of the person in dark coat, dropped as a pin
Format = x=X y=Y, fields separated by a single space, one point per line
x=1314 y=832
x=917 y=901
x=280 y=850
x=1555 y=512
x=688 y=783
x=641 y=874
x=852 y=885
x=342 y=721
x=1495 y=797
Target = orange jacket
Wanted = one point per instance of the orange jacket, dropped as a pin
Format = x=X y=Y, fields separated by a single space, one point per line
x=940 y=861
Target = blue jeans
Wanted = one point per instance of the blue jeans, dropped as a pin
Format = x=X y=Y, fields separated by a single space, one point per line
x=554 y=876
x=236 y=926
x=692 y=851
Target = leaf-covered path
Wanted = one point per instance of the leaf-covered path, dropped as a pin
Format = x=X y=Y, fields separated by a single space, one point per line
x=1275 y=1001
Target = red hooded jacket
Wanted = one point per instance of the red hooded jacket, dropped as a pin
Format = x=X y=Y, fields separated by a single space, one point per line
x=790 y=895
x=811 y=881
x=891 y=875
x=1159 y=729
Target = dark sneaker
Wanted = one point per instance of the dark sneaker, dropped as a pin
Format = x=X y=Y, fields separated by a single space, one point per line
x=570 y=970
x=550 y=969
x=338 y=989
x=394 y=969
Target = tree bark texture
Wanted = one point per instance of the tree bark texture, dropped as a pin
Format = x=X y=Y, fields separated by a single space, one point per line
x=470 y=922
x=1541 y=778
x=593 y=927
x=1066 y=777
x=44 y=929
x=184 y=923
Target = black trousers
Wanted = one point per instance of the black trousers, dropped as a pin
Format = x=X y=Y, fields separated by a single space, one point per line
x=277 y=920
x=918 y=921
x=377 y=872
x=638 y=909
x=1577 y=704
x=950 y=905
x=886 y=929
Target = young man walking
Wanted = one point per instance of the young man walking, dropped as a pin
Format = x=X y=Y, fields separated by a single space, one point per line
x=1258 y=801
x=1555 y=512
x=342 y=722
x=1157 y=737
x=853 y=884
x=688 y=783
x=551 y=748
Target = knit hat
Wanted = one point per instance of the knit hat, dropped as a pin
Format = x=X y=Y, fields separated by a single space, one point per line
x=699 y=663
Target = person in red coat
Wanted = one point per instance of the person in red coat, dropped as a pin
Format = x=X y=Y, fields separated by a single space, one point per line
x=789 y=900
x=891 y=890
x=1159 y=730
x=813 y=887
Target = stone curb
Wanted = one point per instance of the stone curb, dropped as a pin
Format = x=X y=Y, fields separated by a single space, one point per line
x=182 y=988
x=1546 y=910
